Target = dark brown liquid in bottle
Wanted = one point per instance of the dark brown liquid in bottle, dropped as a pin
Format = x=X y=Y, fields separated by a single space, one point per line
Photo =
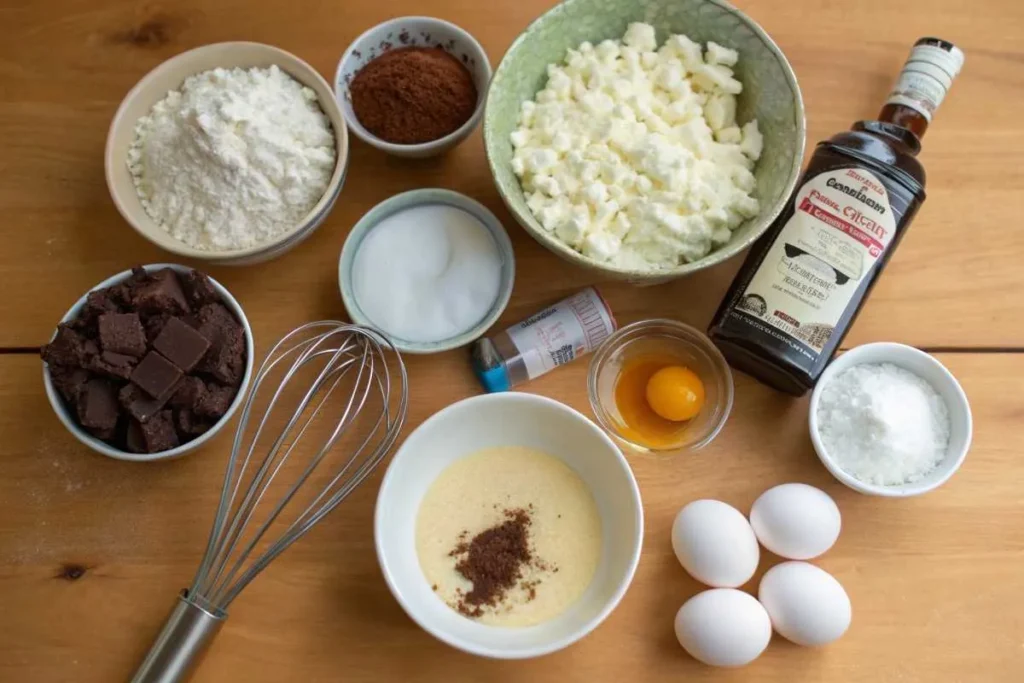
x=763 y=337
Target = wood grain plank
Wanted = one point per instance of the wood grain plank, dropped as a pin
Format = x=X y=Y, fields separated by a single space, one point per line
x=935 y=581
x=64 y=68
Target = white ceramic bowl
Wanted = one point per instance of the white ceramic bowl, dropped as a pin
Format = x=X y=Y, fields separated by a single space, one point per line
x=410 y=32
x=65 y=416
x=508 y=419
x=925 y=366
x=155 y=85
x=424 y=197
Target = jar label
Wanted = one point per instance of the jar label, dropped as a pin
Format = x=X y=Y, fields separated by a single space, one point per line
x=563 y=332
x=842 y=223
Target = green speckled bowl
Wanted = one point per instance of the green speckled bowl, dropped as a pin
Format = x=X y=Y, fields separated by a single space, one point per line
x=770 y=93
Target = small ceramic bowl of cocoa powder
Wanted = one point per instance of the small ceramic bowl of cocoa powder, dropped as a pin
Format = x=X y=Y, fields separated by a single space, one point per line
x=413 y=87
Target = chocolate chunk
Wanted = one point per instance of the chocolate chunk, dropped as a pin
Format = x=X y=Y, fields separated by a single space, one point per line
x=134 y=440
x=161 y=294
x=216 y=401
x=97 y=405
x=225 y=360
x=156 y=375
x=69 y=381
x=122 y=333
x=104 y=434
x=139 y=404
x=189 y=392
x=199 y=290
x=181 y=344
x=97 y=303
x=68 y=348
x=192 y=425
x=116 y=365
x=158 y=432
x=154 y=325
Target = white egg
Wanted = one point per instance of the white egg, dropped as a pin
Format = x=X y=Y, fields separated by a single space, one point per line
x=714 y=542
x=796 y=521
x=806 y=604
x=723 y=627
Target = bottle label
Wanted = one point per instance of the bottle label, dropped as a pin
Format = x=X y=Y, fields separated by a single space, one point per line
x=925 y=78
x=841 y=225
x=563 y=332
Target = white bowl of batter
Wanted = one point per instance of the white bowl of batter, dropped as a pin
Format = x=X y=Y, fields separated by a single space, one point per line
x=480 y=464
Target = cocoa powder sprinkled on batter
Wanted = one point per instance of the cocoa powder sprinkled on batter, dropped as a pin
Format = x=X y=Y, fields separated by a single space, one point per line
x=493 y=562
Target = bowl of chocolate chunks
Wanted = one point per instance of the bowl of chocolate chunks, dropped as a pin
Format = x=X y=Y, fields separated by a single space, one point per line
x=150 y=364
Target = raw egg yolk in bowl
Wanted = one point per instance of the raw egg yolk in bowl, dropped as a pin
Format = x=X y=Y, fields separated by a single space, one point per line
x=657 y=397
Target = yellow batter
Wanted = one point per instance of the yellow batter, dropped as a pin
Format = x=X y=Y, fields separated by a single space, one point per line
x=472 y=495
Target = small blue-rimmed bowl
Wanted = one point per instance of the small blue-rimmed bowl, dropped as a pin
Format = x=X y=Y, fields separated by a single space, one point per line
x=412 y=32
x=426 y=197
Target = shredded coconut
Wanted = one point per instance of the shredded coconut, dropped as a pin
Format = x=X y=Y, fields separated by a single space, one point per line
x=232 y=159
x=883 y=424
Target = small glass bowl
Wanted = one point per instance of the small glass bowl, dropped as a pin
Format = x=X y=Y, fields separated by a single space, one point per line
x=662 y=337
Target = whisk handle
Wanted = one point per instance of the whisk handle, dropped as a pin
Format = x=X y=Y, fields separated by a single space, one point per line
x=180 y=645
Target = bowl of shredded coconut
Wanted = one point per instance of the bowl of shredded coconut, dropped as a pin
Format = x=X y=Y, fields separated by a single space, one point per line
x=230 y=153
x=648 y=140
x=890 y=420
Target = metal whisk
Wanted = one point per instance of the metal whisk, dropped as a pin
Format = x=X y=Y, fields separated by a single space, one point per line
x=352 y=390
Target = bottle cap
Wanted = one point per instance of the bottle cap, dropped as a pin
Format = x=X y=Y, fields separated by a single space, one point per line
x=493 y=379
x=927 y=74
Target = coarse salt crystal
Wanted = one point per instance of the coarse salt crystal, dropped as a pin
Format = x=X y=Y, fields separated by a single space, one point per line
x=883 y=424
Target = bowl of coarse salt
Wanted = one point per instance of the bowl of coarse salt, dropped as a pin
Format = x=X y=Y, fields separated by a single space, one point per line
x=890 y=420
x=231 y=153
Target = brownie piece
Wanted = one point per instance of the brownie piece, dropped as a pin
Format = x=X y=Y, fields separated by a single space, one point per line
x=134 y=440
x=116 y=365
x=97 y=303
x=198 y=289
x=68 y=348
x=97 y=405
x=225 y=360
x=154 y=325
x=216 y=401
x=189 y=392
x=192 y=425
x=156 y=375
x=158 y=432
x=122 y=333
x=69 y=381
x=162 y=293
x=139 y=404
x=181 y=344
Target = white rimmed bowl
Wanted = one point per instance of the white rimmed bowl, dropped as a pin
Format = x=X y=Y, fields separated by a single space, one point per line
x=170 y=75
x=68 y=420
x=409 y=200
x=508 y=419
x=413 y=32
x=942 y=380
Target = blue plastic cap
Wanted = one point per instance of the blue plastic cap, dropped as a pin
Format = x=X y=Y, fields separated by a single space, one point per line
x=493 y=379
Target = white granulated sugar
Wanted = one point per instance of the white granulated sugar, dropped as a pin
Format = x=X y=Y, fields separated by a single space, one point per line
x=883 y=424
x=234 y=158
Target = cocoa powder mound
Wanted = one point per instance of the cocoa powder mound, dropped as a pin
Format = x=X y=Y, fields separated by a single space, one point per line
x=493 y=562
x=413 y=95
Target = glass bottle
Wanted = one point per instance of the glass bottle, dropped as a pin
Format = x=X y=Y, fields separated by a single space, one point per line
x=807 y=277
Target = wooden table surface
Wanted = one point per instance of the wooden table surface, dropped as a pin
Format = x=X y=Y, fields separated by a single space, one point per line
x=93 y=551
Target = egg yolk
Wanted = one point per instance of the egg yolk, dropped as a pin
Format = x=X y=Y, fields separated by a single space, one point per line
x=647 y=408
x=675 y=393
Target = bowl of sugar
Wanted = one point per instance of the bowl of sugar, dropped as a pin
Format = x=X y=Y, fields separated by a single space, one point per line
x=890 y=420
x=431 y=268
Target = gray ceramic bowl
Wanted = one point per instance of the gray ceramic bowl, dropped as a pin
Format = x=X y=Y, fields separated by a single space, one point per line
x=770 y=93
x=423 y=197
x=102 y=447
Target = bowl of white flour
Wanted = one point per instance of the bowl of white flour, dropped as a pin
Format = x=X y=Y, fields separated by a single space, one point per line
x=231 y=153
